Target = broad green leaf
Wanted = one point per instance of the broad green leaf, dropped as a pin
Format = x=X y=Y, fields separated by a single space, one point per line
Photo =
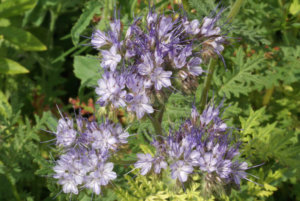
x=15 y=7
x=87 y=69
x=4 y=22
x=93 y=8
x=22 y=39
x=11 y=67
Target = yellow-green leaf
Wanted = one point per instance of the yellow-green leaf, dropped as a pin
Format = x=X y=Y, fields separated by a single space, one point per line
x=295 y=7
x=4 y=22
x=22 y=39
x=15 y=7
x=11 y=67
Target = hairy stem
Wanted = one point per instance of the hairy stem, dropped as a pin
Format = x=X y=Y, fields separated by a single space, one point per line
x=156 y=120
x=234 y=10
x=212 y=63
x=207 y=83
x=267 y=97
x=14 y=188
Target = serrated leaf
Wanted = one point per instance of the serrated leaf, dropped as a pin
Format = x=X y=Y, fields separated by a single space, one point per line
x=93 y=8
x=22 y=39
x=253 y=120
x=15 y=7
x=243 y=78
x=8 y=66
x=87 y=69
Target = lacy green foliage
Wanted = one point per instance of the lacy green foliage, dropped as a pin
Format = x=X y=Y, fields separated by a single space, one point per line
x=268 y=141
x=268 y=180
x=203 y=9
x=20 y=154
x=152 y=188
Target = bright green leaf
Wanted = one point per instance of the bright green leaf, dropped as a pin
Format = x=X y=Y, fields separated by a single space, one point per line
x=8 y=66
x=22 y=39
x=295 y=7
x=15 y=7
x=4 y=22
x=87 y=69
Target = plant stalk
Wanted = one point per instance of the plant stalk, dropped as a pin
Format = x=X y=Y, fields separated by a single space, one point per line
x=207 y=83
x=212 y=63
x=234 y=10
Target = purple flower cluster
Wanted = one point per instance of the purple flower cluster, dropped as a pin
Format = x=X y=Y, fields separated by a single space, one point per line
x=86 y=149
x=145 y=61
x=201 y=145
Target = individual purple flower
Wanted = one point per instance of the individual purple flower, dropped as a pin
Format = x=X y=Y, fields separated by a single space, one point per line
x=70 y=172
x=180 y=59
x=140 y=105
x=65 y=135
x=159 y=164
x=208 y=27
x=147 y=66
x=120 y=134
x=111 y=58
x=194 y=66
x=192 y=27
x=104 y=140
x=161 y=78
x=238 y=171
x=151 y=18
x=100 y=177
x=181 y=170
x=144 y=163
x=115 y=27
x=111 y=89
x=99 y=39
x=165 y=25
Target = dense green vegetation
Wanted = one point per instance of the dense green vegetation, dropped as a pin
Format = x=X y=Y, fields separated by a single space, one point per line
x=46 y=61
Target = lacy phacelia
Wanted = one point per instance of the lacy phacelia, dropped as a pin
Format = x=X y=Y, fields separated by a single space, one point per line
x=200 y=146
x=147 y=59
x=87 y=147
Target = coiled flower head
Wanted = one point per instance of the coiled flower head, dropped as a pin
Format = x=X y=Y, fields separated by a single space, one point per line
x=153 y=59
x=86 y=149
x=200 y=146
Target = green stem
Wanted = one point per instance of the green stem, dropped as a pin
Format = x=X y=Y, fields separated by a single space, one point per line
x=156 y=120
x=268 y=95
x=234 y=10
x=13 y=187
x=207 y=83
x=212 y=63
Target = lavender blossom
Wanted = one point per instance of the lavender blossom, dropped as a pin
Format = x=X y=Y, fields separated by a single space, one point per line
x=149 y=56
x=111 y=89
x=99 y=39
x=181 y=170
x=84 y=162
x=65 y=134
x=144 y=162
x=200 y=146
x=111 y=58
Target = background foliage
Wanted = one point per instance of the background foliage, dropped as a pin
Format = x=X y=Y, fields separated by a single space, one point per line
x=45 y=60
